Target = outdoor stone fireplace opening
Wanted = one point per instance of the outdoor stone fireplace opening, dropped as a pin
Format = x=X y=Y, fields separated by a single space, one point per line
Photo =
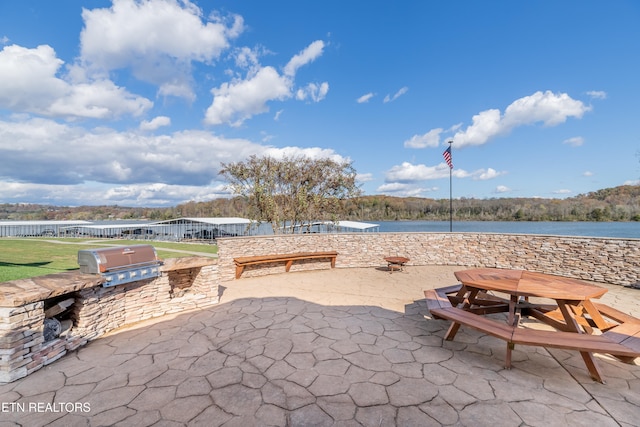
x=58 y=316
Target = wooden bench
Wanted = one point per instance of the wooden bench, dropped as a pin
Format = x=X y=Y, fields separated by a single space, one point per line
x=627 y=335
x=242 y=262
x=483 y=324
x=622 y=341
x=572 y=341
x=614 y=314
x=437 y=298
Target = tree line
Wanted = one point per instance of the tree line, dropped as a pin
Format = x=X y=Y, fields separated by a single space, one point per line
x=612 y=204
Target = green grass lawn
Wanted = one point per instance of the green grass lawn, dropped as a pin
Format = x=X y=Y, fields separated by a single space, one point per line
x=28 y=257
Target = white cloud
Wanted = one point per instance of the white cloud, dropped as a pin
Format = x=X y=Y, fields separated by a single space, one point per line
x=235 y=102
x=576 y=141
x=98 y=100
x=28 y=79
x=145 y=195
x=486 y=125
x=238 y=100
x=397 y=95
x=248 y=58
x=157 y=39
x=408 y=172
x=502 y=189
x=429 y=139
x=394 y=187
x=163 y=194
x=155 y=123
x=29 y=83
x=364 y=177
x=365 y=98
x=404 y=190
x=483 y=175
x=313 y=91
x=309 y=54
x=265 y=137
x=547 y=108
x=407 y=175
x=632 y=182
x=454 y=128
x=587 y=173
x=179 y=88
x=172 y=168
x=562 y=191
x=597 y=94
x=311 y=152
x=37 y=151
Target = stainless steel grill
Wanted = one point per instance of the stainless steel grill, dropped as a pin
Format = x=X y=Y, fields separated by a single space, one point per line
x=121 y=264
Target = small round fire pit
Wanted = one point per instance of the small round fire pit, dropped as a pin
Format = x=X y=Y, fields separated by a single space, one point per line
x=396 y=263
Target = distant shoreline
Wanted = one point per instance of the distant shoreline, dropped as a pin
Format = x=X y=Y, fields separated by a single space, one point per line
x=611 y=229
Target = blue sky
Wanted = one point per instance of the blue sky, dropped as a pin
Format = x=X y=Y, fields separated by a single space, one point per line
x=137 y=103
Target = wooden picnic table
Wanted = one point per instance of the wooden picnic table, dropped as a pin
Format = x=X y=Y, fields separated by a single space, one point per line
x=564 y=303
x=519 y=285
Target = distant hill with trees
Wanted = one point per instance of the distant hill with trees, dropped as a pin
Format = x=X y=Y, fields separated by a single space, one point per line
x=610 y=204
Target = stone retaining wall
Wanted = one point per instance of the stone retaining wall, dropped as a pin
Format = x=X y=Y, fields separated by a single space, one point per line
x=607 y=260
x=185 y=283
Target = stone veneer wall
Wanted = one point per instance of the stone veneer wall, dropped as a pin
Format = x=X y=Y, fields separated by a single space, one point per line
x=186 y=283
x=99 y=310
x=607 y=260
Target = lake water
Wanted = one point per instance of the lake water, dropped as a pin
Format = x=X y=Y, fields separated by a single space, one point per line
x=593 y=229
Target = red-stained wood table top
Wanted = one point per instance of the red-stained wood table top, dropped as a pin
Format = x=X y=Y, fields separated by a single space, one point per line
x=525 y=283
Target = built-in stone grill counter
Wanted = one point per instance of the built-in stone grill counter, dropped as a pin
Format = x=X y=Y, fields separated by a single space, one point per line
x=183 y=284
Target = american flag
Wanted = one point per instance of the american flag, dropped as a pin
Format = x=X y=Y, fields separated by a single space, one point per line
x=447 y=157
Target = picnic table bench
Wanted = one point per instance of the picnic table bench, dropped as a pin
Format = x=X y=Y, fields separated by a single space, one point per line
x=288 y=259
x=574 y=316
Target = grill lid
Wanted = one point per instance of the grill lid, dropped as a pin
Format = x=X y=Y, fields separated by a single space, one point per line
x=104 y=260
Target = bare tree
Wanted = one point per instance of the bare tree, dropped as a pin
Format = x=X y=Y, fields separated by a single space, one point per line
x=292 y=192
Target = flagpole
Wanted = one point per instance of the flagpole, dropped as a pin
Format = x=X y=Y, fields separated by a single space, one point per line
x=450 y=192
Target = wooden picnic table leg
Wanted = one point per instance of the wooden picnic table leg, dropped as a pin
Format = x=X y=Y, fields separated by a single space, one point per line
x=589 y=359
x=514 y=317
x=470 y=298
x=507 y=358
x=578 y=314
x=512 y=320
x=452 y=331
x=466 y=303
x=596 y=316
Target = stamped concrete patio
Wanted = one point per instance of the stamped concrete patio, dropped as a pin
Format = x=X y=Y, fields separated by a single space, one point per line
x=352 y=347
